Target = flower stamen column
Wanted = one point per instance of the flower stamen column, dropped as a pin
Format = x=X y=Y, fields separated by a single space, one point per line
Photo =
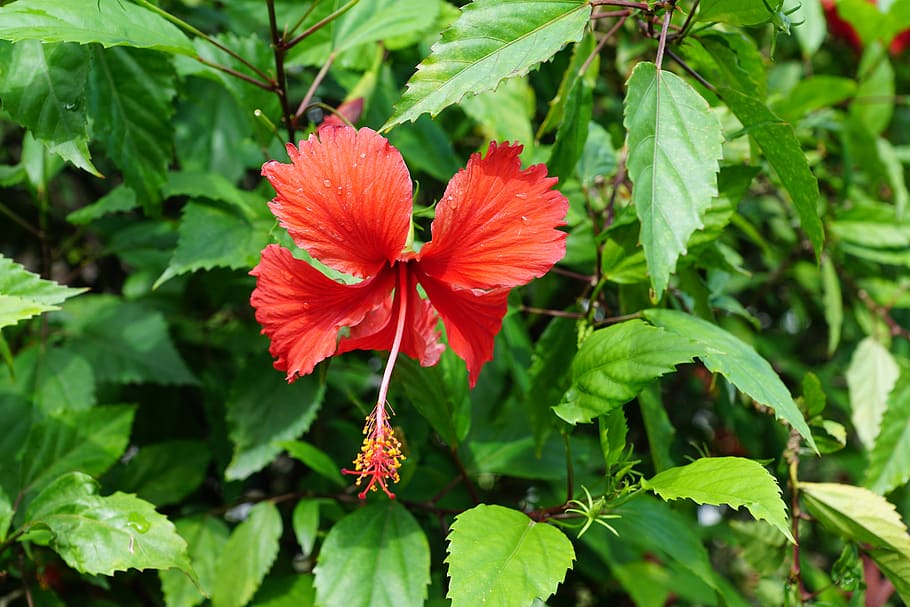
x=380 y=455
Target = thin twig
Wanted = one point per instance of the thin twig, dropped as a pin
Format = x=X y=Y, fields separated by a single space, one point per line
x=662 y=44
x=558 y=313
x=312 y=90
x=280 y=49
x=689 y=70
x=601 y=44
x=267 y=86
x=642 y=6
x=319 y=24
x=464 y=474
x=197 y=32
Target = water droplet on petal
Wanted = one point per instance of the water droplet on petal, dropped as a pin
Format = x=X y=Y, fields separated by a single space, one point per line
x=327 y=183
x=525 y=219
x=363 y=155
x=521 y=195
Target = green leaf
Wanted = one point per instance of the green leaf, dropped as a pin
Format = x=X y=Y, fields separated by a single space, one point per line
x=369 y=22
x=659 y=429
x=573 y=130
x=857 y=514
x=734 y=481
x=491 y=40
x=88 y=441
x=375 y=556
x=876 y=82
x=503 y=114
x=498 y=556
x=314 y=458
x=129 y=102
x=614 y=364
x=889 y=459
x=100 y=535
x=894 y=170
x=735 y=12
x=43 y=89
x=120 y=199
x=557 y=112
x=896 y=566
x=833 y=302
x=654 y=527
x=549 y=375
x=426 y=147
x=23 y=294
x=206 y=537
x=247 y=556
x=263 y=410
x=126 y=342
x=781 y=148
x=163 y=473
x=440 y=394
x=107 y=22
x=812 y=28
x=674 y=144
x=6 y=514
x=598 y=157
x=814 y=93
x=726 y=354
x=293 y=590
x=870 y=377
x=305 y=521
x=215 y=235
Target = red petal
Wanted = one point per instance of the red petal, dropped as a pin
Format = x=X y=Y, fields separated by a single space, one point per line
x=496 y=224
x=302 y=310
x=472 y=320
x=377 y=331
x=346 y=199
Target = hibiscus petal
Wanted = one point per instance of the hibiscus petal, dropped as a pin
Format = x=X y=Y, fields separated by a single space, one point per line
x=495 y=225
x=420 y=339
x=302 y=310
x=472 y=320
x=345 y=198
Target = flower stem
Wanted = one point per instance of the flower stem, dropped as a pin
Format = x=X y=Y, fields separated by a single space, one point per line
x=402 y=296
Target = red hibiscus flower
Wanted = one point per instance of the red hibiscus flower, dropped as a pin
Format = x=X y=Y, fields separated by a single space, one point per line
x=346 y=199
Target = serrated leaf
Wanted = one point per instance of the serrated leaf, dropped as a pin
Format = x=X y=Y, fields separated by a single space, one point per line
x=23 y=294
x=375 y=556
x=262 y=411
x=889 y=459
x=87 y=441
x=498 y=556
x=724 y=353
x=870 y=377
x=126 y=342
x=734 y=12
x=129 y=101
x=781 y=148
x=314 y=458
x=247 y=556
x=213 y=235
x=491 y=40
x=614 y=364
x=674 y=144
x=734 y=481
x=107 y=22
x=857 y=514
x=101 y=535
x=206 y=537
x=43 y=89
x=163 y=473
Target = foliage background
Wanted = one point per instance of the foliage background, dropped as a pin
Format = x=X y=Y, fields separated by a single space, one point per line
x=737 y=234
